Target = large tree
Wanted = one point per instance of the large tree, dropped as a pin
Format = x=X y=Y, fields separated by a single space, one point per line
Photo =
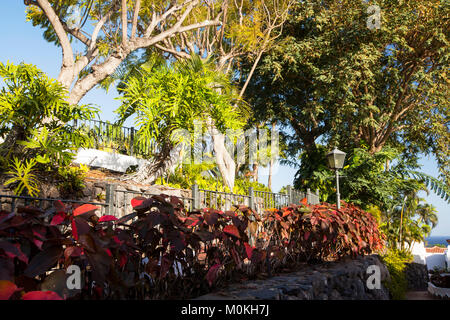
x=109 y=31
x=334 y=80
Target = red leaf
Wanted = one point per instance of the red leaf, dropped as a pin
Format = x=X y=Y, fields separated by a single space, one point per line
x=249 y=250
x=38 y=243
x=72 y=252
x=85 y=209
x=74 y=230
x=304 y=201
x=59 y=206
x=58 y=218
x=137 y=201
x=41 y=295
x=212 y=274
x=107 y=218
x=123 y=260
x=232 y=230
x=7 y=288
x=13 y=251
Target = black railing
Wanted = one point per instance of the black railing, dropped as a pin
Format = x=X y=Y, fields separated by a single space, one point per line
x=42 y=203
x=108 y=135
x=118 y=201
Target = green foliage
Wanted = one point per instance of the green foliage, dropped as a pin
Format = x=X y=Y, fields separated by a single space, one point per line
x=167 y=98
x=207 y=178
x=35 y=117
x=436 y=185
x=23 y=177
x=395 y=261
x=72 y=180
x=331 y=80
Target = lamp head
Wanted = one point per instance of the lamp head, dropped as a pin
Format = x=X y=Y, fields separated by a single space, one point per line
x=336 y=159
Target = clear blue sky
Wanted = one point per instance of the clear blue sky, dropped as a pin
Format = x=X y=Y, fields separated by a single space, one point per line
x=23 y=42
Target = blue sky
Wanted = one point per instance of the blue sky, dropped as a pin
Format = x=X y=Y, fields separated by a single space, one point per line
x=23 y=42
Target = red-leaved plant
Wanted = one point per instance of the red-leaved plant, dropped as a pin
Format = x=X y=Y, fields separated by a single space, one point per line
x=162 y=251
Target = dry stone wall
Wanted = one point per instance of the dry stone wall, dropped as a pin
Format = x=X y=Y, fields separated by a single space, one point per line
x=344 y=280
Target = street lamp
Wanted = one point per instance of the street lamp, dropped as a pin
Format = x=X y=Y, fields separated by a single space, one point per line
x=336 y=161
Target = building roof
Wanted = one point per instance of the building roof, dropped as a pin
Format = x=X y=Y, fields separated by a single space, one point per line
x=435 y=249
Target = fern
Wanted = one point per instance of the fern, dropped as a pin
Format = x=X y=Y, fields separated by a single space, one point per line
x=437 y=186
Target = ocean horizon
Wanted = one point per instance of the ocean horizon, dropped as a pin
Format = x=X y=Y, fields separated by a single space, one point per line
x=434 y=240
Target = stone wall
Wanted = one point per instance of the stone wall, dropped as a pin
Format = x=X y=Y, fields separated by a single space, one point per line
x=95 y=191
x=417 y=276
x=345 y=280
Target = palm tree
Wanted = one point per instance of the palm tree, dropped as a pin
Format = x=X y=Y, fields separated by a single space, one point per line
x=427 y=214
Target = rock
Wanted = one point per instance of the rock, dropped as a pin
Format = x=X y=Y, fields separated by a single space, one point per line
x=417 y=276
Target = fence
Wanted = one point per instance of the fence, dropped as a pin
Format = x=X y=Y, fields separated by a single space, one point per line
x=42 y=203
x=108 y=135
x=118 y=201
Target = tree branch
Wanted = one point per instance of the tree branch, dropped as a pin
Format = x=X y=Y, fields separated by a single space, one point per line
x=66 y=74
x=137 y=7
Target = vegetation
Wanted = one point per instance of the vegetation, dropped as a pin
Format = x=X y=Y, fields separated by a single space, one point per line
x=395 y=261
x=191 y=254
x=169 y=101
x=35 y=124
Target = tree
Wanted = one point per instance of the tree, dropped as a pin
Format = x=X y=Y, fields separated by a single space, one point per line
x=248 y=29
x=332 y=80
x=167 y=102
x=120 y=27
x=427 y=214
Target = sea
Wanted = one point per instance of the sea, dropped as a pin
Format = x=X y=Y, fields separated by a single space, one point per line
x=433 y=240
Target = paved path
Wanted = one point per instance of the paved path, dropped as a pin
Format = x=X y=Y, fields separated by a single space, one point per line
x=419 y=295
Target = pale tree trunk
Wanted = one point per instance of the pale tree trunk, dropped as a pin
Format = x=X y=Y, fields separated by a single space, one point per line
x=269 y=180
x=224 y=160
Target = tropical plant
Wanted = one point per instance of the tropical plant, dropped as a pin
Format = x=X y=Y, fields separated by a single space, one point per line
x=168 y=101
x=395 y=261
x=23 y=177
x=34 y=117
x=72 y=180
x=162 y=251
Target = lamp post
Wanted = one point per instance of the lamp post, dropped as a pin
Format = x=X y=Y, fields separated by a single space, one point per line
x=336 y=161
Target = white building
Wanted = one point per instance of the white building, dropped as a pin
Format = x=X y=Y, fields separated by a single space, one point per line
x=435 y=257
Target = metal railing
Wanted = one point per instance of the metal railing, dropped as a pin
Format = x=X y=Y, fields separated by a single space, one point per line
x=41 y=203
x=118 y=138
x=118 y=202
x=256 y=200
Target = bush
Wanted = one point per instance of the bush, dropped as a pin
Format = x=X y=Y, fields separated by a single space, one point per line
x=162 y=251
x=35 y=118
x=395 y=261
x=321 y=232
x=72 y=180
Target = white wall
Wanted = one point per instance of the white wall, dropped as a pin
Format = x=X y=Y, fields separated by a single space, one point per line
x=432 y=260
x=107 y=160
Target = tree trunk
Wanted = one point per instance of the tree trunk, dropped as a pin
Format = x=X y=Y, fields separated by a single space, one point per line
x=224 y=160
x=269 y=180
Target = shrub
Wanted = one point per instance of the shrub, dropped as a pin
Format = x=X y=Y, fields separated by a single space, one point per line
x=395 y=261
x=72 y=180
x=35 y=116
x=162 y=251
x=23 y=177
x=321 y=232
